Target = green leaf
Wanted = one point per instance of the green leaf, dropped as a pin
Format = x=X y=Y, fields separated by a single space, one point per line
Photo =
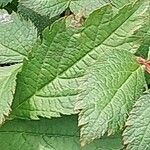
x=16 y=34
x=49 y=8
x=41 y=22
x=145 y=34
x=8 y=56
x=144 y=49
x=55 y=134
x=7 y=89
x=118 y=32
x=85 y=7
x=121 y=3
x=111 y=87
x=149 y=53
x=4 y=2
x=137 y=132
x=53 y=8
x=55 y=94
x=49 y=81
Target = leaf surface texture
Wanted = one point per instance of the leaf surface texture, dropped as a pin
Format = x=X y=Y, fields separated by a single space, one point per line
x=50 y=135
x=136 y=135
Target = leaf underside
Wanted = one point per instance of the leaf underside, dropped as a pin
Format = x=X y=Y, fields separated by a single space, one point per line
x=136 y=135
x=50 y=135
x=7 y=89
x=16 y=35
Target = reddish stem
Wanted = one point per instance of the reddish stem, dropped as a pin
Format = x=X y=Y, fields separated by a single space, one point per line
x=145 y=63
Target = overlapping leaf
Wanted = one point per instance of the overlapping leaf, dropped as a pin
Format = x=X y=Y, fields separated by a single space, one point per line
x=121 y=3
x=45 y=91
x=111 y=87
x=48 y=84
x=87 y=6
x=52 y=134
x=7 y=89
x=16 y=34
x=137 y=132
x=145 y=34
x=53 y=8
x=80 y=67
x=8 y=56
x=4 y=2
x=41 y=22
x=49 y=8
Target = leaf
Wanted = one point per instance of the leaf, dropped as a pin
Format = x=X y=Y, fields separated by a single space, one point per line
x=119 y=30
x=145 y=34
x=16 y=34
x=143 y=50
x=111 y=87
x=4 y=2
x=53 y=96
x=49 y=8
x=53 y=8
x=121 y=3
x=49 y=81
x=49 y=135
x=87 y=6
x=41 y=22
x=8 y=56
x=7 y=88
x=136 y=135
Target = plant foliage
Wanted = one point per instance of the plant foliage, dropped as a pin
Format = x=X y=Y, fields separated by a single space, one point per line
x=74 y=74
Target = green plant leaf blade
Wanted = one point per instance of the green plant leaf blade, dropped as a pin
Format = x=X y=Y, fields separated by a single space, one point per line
x=41 y=22
x=87 y=6
x=8 y=56
x=7 y=89
x=4 y=2
x=49 y=8
x=145 y=33
x=136 y=135
x=60 y=71
x=59 y=134
x=53 y=8
x=57 y=97
x=111 y=87
x=16 y=34
x=119 y=4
